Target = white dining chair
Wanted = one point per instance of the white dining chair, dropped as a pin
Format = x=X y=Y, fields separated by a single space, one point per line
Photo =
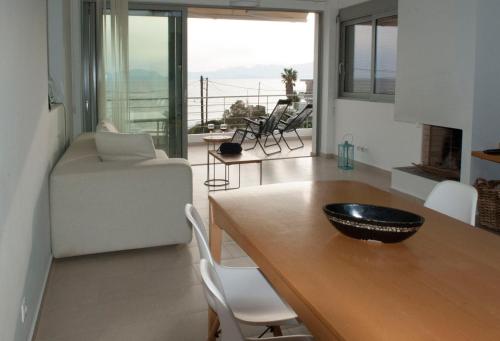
x=252 y=299
x=454 y=199
x=216 y=299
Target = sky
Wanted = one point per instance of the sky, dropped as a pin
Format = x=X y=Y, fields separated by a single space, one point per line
x=215 y=44
x=148 y=43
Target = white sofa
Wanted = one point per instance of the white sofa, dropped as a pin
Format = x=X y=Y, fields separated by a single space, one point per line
x=101 y=206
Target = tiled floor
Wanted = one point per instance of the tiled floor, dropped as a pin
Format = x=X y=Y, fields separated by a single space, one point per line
x=155 y=294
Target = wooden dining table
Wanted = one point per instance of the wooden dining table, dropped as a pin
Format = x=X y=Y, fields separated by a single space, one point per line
x=443 y=283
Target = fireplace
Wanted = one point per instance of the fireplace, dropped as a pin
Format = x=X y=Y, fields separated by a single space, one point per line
x=441 y=151
x=441 y=154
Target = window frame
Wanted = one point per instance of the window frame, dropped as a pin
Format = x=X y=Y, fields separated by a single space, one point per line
x=369 y=96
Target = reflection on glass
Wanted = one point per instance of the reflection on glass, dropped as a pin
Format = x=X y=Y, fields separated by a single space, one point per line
x=154 y=78
x=358 y=45
x=149 y=74
x=386 y=55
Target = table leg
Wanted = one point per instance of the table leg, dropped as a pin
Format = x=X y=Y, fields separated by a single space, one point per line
x=213 y=325
x=215 y=244
x=276 y=331
x=215 y=236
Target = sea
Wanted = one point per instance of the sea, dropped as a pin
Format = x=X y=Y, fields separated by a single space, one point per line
x=149 y=97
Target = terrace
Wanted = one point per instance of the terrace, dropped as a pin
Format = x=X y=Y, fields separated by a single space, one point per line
x=148 y=115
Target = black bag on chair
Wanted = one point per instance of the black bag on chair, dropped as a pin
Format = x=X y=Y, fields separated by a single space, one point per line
x=230 y=148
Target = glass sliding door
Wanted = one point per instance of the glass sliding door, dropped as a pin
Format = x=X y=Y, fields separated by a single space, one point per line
x=155 y=77
x=156 y=86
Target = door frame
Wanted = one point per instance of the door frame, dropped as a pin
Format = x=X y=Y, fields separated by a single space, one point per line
x=184 y=61
x=90 y=65
x=317 y=62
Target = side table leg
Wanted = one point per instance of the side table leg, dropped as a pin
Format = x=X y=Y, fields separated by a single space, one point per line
x=213 y=167
x=226 y=176
x=208 y=165
x=239 y=175
x=260 y=177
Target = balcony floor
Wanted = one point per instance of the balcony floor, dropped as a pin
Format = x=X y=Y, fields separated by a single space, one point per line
x=197 y=152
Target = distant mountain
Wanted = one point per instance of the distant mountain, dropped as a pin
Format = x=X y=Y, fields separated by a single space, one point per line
x=305 y=71
x=140 y=74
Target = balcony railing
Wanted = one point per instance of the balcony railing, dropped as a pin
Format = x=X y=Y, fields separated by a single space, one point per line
x=214 y=107
x=149 y=114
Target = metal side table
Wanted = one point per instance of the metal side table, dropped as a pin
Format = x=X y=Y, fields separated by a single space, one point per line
x=213 y=142
x=237 y=159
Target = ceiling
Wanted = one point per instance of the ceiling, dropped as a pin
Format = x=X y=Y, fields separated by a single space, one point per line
x=245 y=14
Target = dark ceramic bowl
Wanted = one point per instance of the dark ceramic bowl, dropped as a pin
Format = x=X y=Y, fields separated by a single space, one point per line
x=369 y=222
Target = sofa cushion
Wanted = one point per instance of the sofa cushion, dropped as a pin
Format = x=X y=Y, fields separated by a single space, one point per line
x=124 y=147
x=106 y=126
x=161 y=155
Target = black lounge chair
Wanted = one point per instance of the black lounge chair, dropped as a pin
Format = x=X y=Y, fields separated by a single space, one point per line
x=264 y=127
x=292 y=123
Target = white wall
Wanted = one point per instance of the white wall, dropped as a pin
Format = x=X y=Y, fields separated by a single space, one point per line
x=449 y=75
x=486 y=119
x=436 y=59
x=389 y=143
x=27 y=133
x=435 y=78
x=59 y=51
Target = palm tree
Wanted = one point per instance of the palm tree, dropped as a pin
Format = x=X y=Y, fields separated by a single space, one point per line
x=288 y=77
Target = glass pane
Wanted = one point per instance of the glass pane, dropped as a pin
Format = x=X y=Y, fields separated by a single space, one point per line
x=155 y=53
x=148 y=75
x=386 y=55
x=358 y=55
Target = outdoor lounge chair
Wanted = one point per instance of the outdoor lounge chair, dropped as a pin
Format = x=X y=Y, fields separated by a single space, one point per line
x=292 y=123
x=265 y=127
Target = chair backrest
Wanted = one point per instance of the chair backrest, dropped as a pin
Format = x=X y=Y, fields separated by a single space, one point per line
x=454 y=199
x=274 y=118
x=239 y=136
x=216 y=300
x=298 y=120
x=199 y=231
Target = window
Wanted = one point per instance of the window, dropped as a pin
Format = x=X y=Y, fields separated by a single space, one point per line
x=368 y=51
x=358 y=40
x=386 y=54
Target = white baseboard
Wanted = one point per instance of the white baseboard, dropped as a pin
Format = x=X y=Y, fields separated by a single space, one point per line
x=328 y=155
x=40 y=300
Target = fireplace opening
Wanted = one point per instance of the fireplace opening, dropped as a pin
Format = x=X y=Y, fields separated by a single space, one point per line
x=441 y=154
x=441 y=151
